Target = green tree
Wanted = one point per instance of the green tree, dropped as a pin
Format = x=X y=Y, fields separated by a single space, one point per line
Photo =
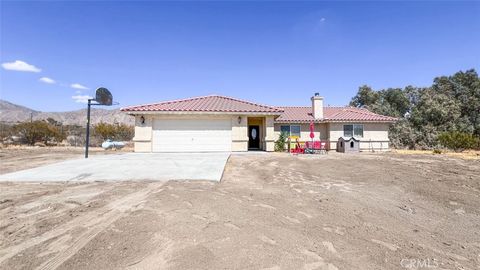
x=393 y=102
x=366 y=97
x=451 y=104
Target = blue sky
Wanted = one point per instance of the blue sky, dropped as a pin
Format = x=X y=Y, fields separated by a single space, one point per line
x=276 y=53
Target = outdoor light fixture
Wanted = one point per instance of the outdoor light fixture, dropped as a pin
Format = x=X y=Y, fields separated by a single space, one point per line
x=239 y=119
x=142 y=120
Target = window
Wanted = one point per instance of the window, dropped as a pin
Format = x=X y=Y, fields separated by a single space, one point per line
x=358 y=131
x=293 y=130
x=347 y=130
x=285 y=129
x=353 y=131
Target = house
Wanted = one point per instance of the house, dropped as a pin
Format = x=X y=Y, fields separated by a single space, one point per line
x=219 y=123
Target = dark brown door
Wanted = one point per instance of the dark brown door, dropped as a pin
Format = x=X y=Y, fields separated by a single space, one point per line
x=253 y=137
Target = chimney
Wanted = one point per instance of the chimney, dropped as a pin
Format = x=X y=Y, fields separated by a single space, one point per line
x=317 y=106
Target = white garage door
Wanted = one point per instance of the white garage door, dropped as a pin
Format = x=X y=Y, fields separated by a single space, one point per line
x=192 y=135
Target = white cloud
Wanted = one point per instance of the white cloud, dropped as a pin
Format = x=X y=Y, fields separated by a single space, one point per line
x=78 y=92
x=20 y=66
x=81 y=98
x=47 y=80
x=78 y=86
x=323 y=20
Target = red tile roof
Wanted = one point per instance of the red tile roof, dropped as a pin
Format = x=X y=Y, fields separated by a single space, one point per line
x=331 y=114
x=211 y=103
x=215 y=103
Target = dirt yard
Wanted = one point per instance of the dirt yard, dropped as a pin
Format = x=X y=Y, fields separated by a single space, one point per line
x=271 y=211
x=22 y=157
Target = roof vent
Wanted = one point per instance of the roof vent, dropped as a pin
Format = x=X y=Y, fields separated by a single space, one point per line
x=317 y=94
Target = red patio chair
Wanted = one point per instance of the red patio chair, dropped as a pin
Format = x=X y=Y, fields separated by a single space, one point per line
x=308 y=148
x=323 y=147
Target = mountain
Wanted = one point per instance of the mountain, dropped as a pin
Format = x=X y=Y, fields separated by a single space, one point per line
x=12 y=113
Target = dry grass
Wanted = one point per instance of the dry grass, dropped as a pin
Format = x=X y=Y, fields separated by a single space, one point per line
x=470 y=154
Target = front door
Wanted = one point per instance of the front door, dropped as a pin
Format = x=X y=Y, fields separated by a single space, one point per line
x=253 y=137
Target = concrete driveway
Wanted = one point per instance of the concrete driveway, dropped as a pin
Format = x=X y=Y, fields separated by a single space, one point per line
x=131 y=166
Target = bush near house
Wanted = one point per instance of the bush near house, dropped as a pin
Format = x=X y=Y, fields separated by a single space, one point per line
x=458 y=141
x=280 y=142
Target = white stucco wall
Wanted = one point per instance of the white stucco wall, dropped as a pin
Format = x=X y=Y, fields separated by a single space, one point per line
x=270 y=135
x=375 y=135
x=239 y=133
x=143 y=132
x=320 y=131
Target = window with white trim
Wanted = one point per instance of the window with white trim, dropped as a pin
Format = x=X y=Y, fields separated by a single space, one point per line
x=291 y=130
x=355 y=130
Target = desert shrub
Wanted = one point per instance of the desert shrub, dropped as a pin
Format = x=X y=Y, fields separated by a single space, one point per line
x=5 y=131
x=39 y=131
x=120 y=132
x=437 y=151
x=124 y=132
x=280 y=142
x=458 y=141
x=104 y=130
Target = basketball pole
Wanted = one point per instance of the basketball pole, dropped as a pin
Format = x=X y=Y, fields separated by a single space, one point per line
x=87 y=140
x=102 y=97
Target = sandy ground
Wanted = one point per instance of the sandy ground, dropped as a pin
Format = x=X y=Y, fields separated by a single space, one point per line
x=273 y=211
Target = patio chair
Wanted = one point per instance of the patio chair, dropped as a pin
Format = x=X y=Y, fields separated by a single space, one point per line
x=309 y=148
x=315 y=147
x=323 y=147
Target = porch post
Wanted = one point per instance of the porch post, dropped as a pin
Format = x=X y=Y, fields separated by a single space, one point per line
x=269 y=134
